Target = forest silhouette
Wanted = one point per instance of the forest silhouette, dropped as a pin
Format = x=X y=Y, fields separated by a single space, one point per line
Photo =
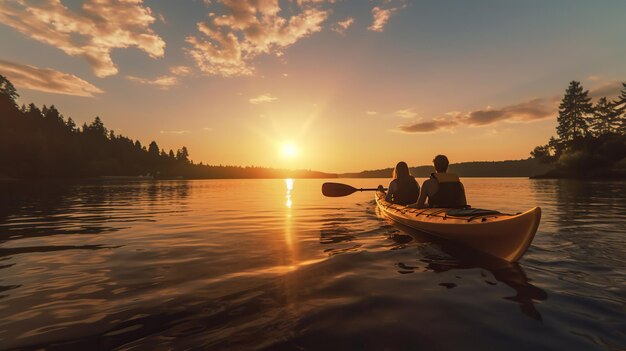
x=42 y=143
x=591 y=139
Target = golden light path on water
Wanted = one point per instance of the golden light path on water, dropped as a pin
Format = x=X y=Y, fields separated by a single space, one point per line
x=289 y=184
x=288 y=233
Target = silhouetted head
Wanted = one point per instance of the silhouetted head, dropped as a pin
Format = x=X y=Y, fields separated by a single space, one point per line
x=441 y=163
x=401 y=170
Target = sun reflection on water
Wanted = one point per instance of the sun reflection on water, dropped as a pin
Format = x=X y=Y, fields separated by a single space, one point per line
x=289 y=184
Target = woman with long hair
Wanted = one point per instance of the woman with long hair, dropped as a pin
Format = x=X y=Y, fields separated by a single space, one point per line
x=403 y=189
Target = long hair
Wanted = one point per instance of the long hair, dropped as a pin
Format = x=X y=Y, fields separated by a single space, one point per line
x=401 y=170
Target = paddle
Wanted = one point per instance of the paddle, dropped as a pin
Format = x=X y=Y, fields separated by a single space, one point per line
x=338 y=189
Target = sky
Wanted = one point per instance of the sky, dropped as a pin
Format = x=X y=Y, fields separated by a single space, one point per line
x=329 y=85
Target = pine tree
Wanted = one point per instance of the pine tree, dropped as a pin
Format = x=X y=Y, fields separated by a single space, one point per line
x=574 y=110
x=71 y=125
x=153 y=149
x=183 y=155
x=52 y=115
x=605 y=118
x=555 y=146
x=7 y=90
x=97 y=128
x=620 y=108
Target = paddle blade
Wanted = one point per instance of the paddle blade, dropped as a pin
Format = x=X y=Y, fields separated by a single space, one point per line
x=337 y=189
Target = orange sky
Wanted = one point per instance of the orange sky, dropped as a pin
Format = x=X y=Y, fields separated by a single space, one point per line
x=351 y=85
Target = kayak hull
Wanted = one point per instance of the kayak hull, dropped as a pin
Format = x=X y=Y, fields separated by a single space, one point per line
x=500 y=235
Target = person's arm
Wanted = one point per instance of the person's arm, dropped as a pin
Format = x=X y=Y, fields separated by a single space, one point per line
x=464 y=197
x=392 y=189
x=421 y=201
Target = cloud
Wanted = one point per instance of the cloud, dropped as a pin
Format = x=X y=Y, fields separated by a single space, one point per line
x=431 y=126
x=609 y=90
x=405 y=113
x=180 y=70
x=47 y=80
x=371 y=113
x=382 y=14
x=341 y=26
x=162 y=82
x=166 y=81
x=226 y=44
x=162 y=18
x=90 y=32
x=264 y=98
x=594 y=78
x=179 y=132
x=381 y=17
x=523 y=112
x=207 y=129
x=528 y=111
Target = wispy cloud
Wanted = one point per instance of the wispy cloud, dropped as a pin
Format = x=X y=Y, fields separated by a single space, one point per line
x=608 y=89
x=162 y=82
x=341 y=26
x=91 y=32
x=594 y=78
x=179 y=132
x=430 y=126
x=264 y=98
x=381 y=17
x=181 y=70
x=405 y=113
x=161 y=18
x=371 y=113
x=46 y=79
x=528 y=111
x=383 y=13
x=228 y=43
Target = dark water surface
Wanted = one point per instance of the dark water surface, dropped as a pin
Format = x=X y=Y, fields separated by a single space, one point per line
x=243 y=264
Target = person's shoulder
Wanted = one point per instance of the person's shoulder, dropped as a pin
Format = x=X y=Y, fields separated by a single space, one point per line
x=393 y=183
x=429 y=181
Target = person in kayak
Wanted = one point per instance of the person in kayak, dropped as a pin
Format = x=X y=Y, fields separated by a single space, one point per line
x=403 y=189
x=442 y=189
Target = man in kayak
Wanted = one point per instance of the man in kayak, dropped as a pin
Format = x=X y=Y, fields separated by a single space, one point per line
x=442 y=189
x=403 y=189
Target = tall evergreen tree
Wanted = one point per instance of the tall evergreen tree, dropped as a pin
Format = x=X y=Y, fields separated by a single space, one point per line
x=153 y=149
x=605 y=118
x=52 y=115
x=96 y=128
x=7 y=90
x=574 y=110
x=71 y=125
x=620 y=108
x=183 y=155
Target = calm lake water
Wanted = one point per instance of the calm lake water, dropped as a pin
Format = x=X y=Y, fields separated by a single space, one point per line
x=250 y=264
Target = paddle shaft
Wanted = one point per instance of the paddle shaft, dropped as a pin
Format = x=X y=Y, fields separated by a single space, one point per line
x=370 y=189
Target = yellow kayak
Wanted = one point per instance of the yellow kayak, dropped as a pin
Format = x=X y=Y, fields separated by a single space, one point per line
x=500 y=235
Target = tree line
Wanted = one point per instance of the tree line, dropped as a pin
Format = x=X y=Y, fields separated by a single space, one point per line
x=591 y=138
x=42 y=143
x=510 y=168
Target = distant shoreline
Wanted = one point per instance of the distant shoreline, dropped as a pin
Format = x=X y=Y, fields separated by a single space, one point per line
x=476 y=169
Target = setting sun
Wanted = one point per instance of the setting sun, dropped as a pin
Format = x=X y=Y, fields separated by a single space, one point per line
x=289 y=150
